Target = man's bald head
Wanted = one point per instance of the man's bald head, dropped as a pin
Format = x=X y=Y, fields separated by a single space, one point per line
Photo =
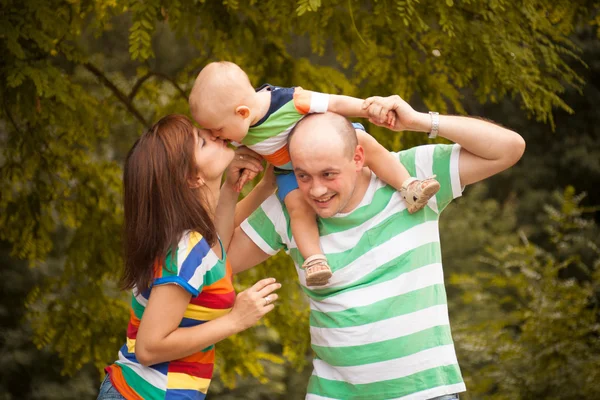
x=219 y=83
x=328 y=129
x=327 y=162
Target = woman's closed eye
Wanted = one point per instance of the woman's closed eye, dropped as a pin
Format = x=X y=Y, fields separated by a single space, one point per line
x=201 y=140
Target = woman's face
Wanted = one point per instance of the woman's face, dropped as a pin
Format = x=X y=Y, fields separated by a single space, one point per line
x=212 y=155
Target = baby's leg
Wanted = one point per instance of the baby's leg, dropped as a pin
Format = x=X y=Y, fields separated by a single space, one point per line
x=303 y=220
x=306 y=234
x=388 y=168
x=384 y=164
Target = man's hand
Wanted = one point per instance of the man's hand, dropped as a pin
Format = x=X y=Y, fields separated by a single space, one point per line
x=393 y=113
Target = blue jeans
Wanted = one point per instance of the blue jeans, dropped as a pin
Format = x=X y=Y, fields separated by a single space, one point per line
x=108 y=391
x=446 y=397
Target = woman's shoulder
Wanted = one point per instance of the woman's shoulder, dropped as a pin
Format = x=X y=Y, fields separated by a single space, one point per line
x=190 y=265
x=193 y=242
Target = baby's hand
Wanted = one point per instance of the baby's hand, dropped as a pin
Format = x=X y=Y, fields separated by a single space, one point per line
x=244 y=178
x=246 y=164
x=379 y=111
x=391 y=112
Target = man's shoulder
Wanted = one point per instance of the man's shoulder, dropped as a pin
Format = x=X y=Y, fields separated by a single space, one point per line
x=273 y=207
x=423 y=153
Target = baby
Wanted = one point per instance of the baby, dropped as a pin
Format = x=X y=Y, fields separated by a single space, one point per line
x=224 y=101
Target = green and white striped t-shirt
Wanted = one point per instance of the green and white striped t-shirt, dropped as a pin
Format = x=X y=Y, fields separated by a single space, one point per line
x=380 y=327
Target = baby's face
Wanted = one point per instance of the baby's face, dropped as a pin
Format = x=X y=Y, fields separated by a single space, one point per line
x=224 y=123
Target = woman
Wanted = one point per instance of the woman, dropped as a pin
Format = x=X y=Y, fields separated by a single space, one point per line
x=178 y=223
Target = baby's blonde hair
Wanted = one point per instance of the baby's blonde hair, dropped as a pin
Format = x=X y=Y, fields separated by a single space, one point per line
x=219 y=81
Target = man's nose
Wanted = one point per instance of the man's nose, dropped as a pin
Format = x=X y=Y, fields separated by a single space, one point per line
x=317 y=189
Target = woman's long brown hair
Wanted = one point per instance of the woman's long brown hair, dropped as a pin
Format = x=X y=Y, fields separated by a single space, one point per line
x=159 y=203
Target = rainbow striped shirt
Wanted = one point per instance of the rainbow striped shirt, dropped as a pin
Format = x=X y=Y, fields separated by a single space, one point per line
x=196 y=268
x=268 y=137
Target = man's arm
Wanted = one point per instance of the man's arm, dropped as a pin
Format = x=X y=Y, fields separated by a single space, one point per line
x=243 y=253
x=486 y=148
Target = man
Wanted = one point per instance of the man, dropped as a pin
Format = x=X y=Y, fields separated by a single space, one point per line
x=380 y=328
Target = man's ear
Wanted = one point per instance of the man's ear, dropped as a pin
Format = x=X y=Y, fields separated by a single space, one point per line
x=243 y=111
x=359 y=157
x=196 y=183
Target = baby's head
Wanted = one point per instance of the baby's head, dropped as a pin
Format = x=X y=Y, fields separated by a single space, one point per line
x=220 y=100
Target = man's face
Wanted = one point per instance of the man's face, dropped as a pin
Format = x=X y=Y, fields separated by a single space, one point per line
x=326 y=175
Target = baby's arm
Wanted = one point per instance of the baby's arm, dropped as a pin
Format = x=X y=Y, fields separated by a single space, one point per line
x=384 y=164
x=347 y=106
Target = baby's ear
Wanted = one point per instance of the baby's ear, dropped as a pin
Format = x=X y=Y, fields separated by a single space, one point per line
x=243 y=111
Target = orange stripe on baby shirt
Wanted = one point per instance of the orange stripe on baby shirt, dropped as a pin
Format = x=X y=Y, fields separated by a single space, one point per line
x=279 y=158
x=302 y=100
x=118 y=381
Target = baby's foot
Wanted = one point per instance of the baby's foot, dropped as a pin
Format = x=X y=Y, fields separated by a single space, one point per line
x=317 y=270
x=417 y=193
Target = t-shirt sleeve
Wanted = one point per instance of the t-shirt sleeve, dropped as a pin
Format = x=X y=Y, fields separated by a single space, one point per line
x=440 y=160
x=308 y=102
x=191 y=266
x=267 y=226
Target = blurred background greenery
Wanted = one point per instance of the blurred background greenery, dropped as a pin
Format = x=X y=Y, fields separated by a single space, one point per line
x=80 y=80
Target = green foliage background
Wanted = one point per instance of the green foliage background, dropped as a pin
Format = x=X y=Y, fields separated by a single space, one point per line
x=80 y=80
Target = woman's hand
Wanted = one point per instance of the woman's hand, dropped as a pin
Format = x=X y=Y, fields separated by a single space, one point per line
x=251 y=304
x=245 y=166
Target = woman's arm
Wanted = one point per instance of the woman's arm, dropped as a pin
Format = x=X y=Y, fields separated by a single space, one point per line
x=244 y=160
x=160 y=338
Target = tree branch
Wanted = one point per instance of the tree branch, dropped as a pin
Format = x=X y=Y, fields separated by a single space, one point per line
x=137 y=86
x=120 y=95
x=175 y=85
